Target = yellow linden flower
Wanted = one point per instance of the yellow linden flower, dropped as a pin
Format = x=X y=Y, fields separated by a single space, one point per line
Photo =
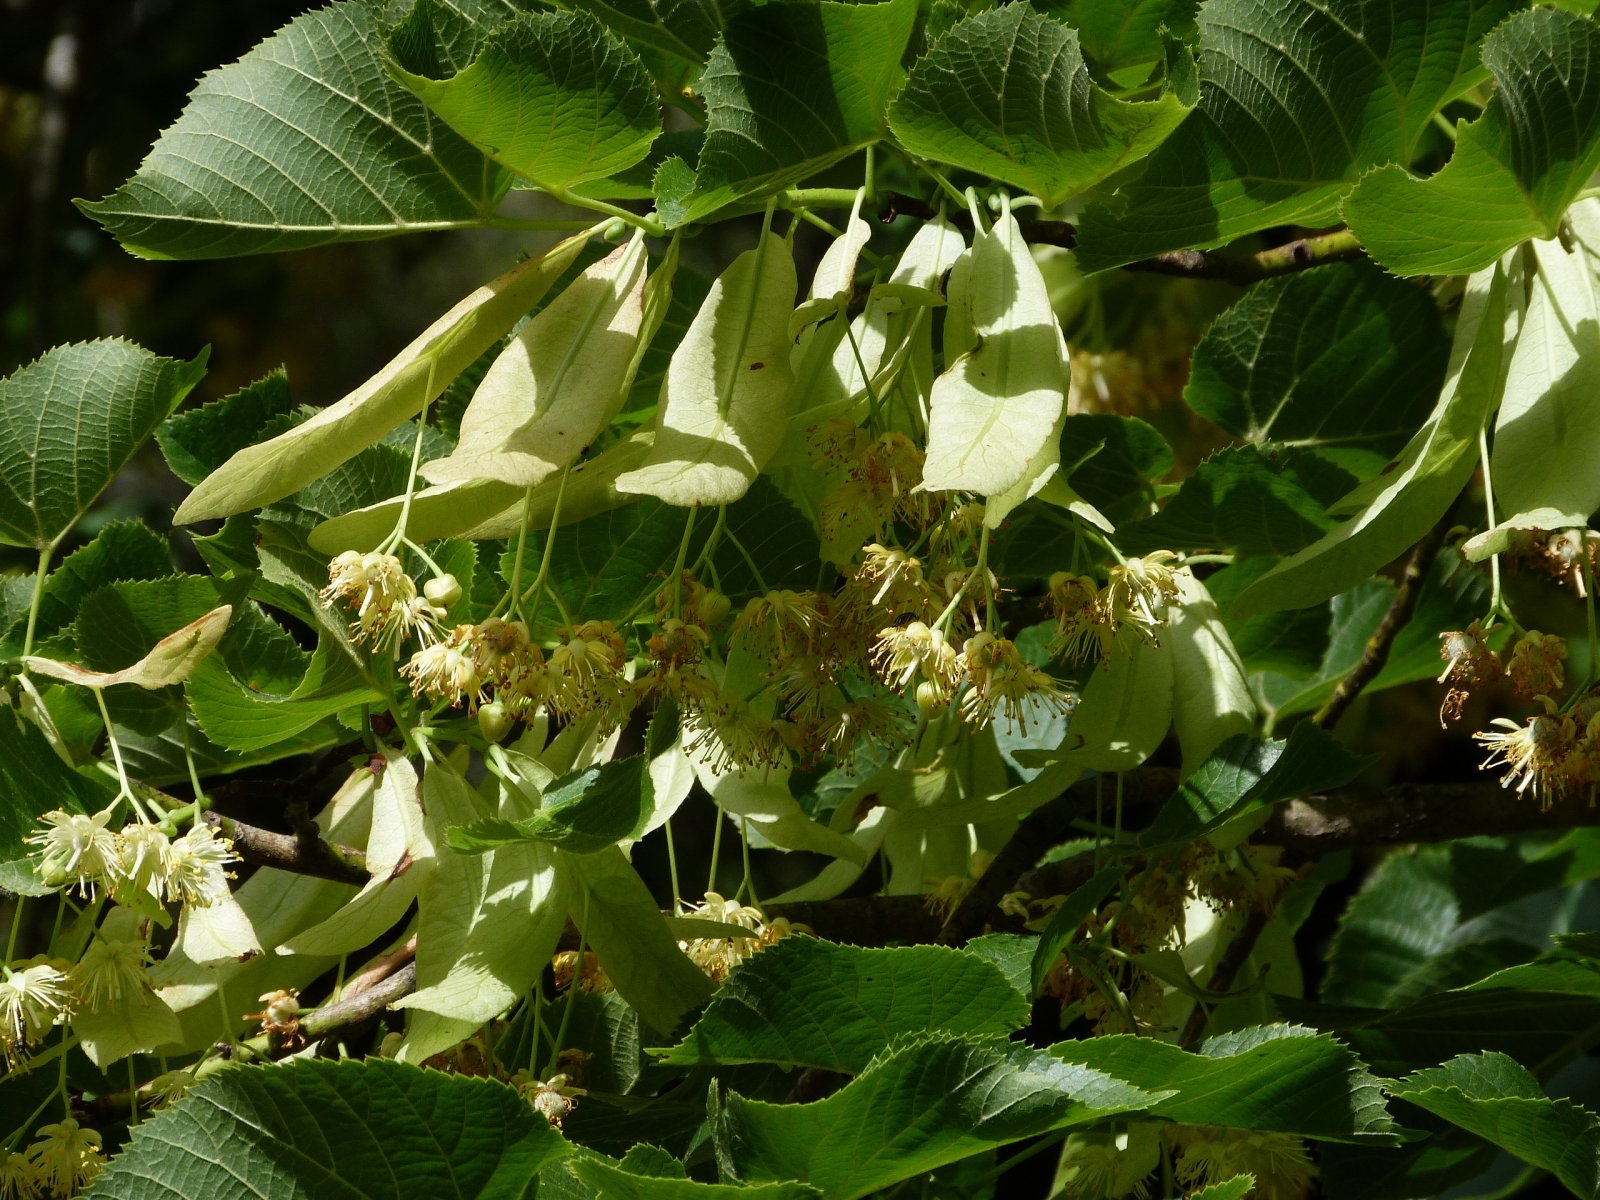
x=195 y=865
x=32 y=1000
x=385 y=598
x=111 y=972
x=1535 y=668
x=445 y=673
x=1139 y=591
x=1002 y=682
x=16 y=1177
x=1282 y=1168
x=1533 y=754
x=717 y=956
x=66 y=1157
x=142 y=853
x=79 y=847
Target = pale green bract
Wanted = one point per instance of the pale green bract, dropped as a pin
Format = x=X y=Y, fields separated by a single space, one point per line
x=1546 y=472
x=726 y=395
x=558 y=383
x=995 y=406
x=280 y=466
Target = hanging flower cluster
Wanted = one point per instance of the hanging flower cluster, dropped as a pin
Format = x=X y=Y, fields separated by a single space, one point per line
x=79 y=851
x=63 y=1159
x=1093 y=621
x=717 y=956
x=140 y=867
x=1553 y=753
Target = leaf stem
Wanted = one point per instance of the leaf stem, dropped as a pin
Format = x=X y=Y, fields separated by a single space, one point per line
x=948 y=188
x=38 y=598
x=651 y=225
x=16 y=930
x=677 y=566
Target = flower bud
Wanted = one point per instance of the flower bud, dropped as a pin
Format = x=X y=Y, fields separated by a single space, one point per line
x=442 y=591
x=494 y=721
x=931 y=699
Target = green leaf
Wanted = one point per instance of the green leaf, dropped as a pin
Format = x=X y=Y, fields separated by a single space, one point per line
x=1276 y=1077
x=1246 y=499
x=1236 y=1188
x=1515 y=169
x=122 y=550
x=1496 y=1098
x=1066 y=920
x=621 y=923
x=584 y=813
x=923 y=1104
x=1545 y=476
x=242 y=711
x=726 y=395
x=994 y=408
x=774 y=537
x=305 y=140
x=35 y=781
x=282 y=465
x=69 y=420
x=558 y=384
x=1297 y=99
x=198 y=441
x=1247 y=774
x=1007 y=93
x=807 y=1002
x=555 y=97
x=1394 y=510
x=1117 y=459
x=790 y=89
x=685 y=28
x=1540 y=1016
x=314 y=1128
x=434 y=37
x=1341 y=356
x=614 y=1182
x=596 y=564
x=1402 y=917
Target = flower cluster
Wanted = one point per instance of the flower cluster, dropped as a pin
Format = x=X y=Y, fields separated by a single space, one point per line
x=1554 y=753
x=61 y=1162
x=388 y=609
x=718 y=955
x=1092 y=621
x=1204 y=1155
x=79 y=850
x=792 y=674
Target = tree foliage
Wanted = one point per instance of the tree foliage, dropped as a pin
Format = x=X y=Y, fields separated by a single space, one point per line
x=993 y=477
